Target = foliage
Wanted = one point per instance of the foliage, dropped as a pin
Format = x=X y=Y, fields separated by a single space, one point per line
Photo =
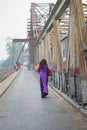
x=13 y=50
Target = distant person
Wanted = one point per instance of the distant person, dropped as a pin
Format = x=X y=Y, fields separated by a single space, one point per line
x=28 y=66
x=19 y=65
x=43 y=69
x=16 y=66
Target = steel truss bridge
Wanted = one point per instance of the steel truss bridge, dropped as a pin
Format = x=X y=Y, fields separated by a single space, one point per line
x=49 y=27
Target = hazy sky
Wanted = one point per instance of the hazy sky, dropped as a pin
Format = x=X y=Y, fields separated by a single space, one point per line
x=13 y=17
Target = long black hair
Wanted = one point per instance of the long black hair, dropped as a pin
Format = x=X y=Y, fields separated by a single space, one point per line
x=42 y=63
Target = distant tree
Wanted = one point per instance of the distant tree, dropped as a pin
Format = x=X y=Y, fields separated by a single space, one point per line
x=13 y=50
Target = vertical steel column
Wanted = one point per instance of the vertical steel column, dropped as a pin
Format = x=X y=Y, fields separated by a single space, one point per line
x=78 y=63
x=57 y=45
x=82 y=21
x=48 y=47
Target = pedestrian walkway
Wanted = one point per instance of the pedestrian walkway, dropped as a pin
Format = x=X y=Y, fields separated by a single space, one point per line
x=22 y=108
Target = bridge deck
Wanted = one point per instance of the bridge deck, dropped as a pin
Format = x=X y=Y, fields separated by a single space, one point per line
x=21 y=108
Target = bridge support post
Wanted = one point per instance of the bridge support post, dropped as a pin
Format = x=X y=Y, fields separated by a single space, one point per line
x=76 y=58
x=57 y=45
x=47 y=45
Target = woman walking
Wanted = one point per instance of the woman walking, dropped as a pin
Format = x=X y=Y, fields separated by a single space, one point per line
x=43 y=70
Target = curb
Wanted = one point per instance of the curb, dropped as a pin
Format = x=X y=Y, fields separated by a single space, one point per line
x=70 y=101
x=5 y=84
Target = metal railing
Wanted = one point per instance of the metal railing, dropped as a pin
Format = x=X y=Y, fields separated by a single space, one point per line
x=71 y=85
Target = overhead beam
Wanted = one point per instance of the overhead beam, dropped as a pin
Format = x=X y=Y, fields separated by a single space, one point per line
x=57 y=11
x=24 y=40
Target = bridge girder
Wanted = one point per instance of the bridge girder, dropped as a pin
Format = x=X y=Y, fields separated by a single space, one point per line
x=24 y=40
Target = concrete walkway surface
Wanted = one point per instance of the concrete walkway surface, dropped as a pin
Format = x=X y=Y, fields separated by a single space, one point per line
x=22 y=108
